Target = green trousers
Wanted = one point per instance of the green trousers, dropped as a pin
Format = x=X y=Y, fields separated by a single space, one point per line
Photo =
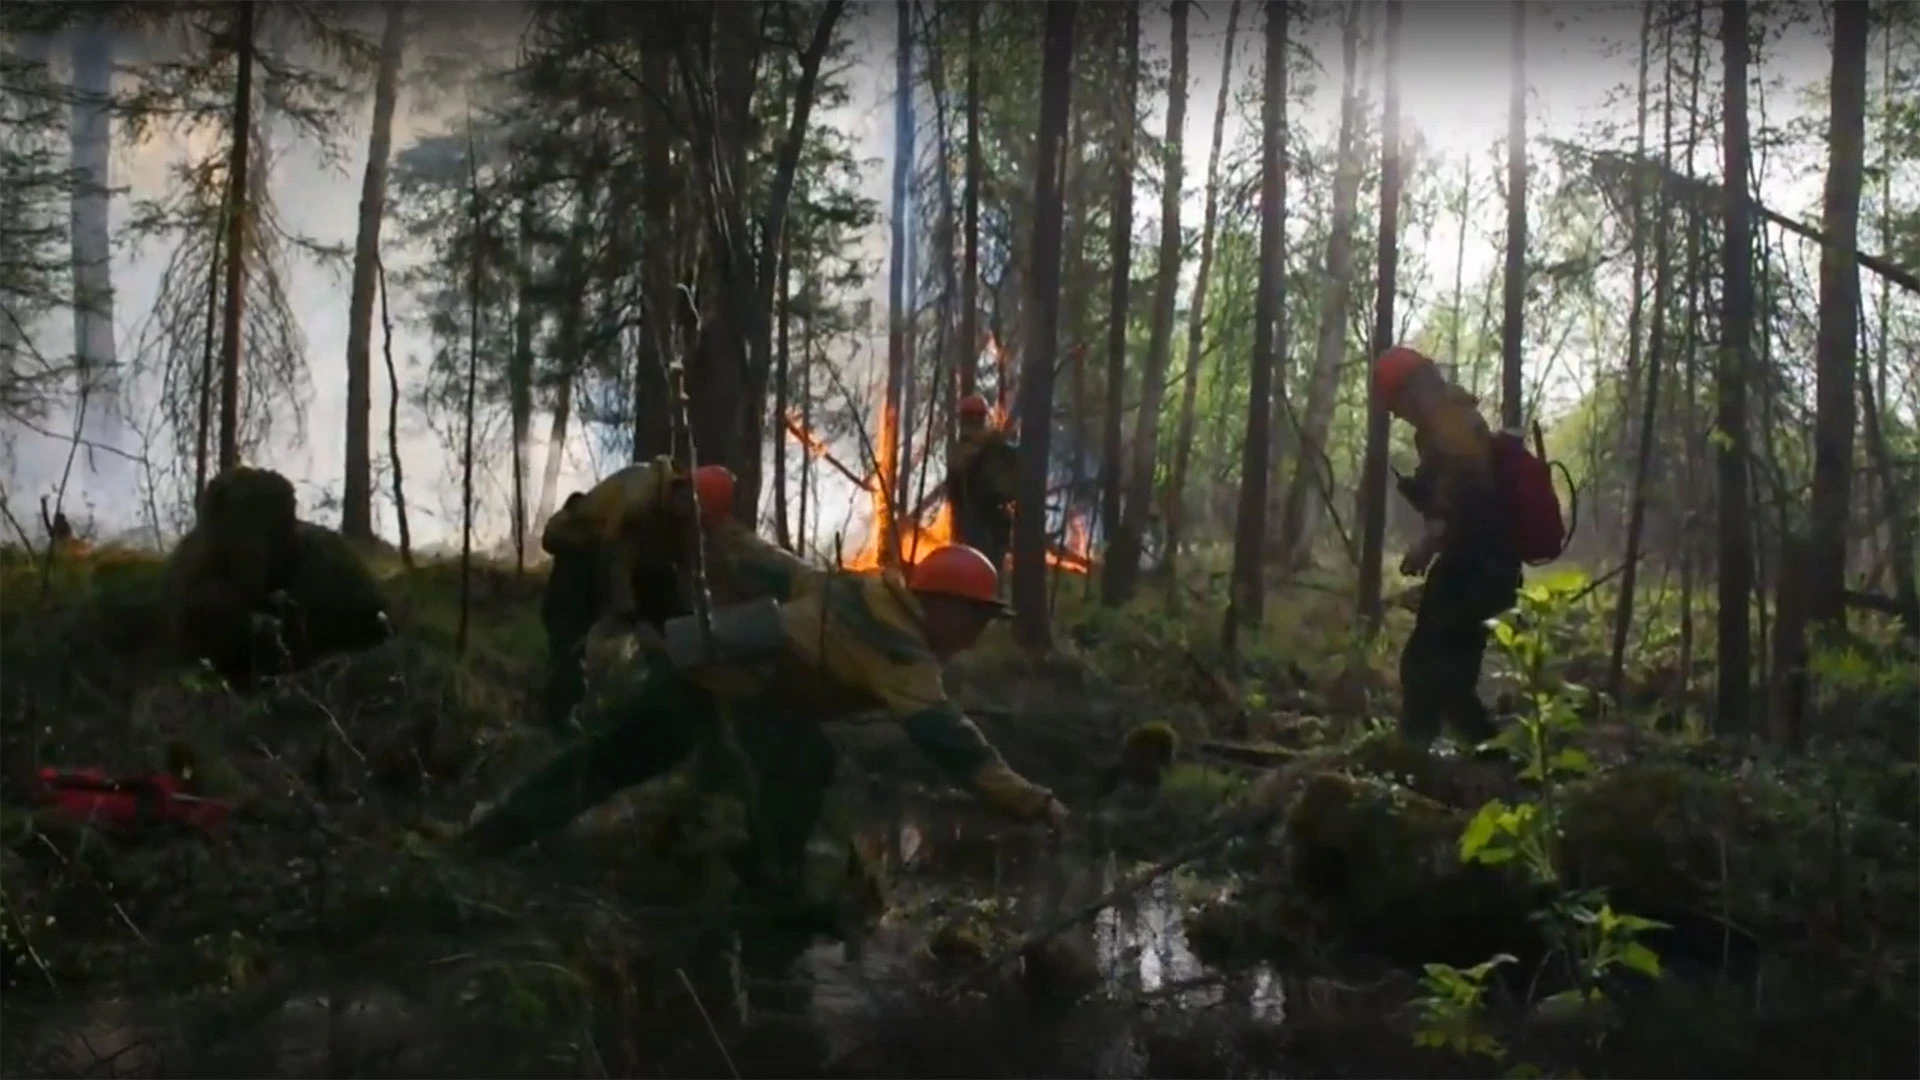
x=1440 y=666
x=644 y=724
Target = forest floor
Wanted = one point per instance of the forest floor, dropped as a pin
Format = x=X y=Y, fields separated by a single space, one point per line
x=1626 y=896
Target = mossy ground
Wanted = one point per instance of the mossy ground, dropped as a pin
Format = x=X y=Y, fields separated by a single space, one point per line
x=327 y=932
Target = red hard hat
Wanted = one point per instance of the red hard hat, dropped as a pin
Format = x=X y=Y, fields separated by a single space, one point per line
x=973 y=405
x=959 y=571
x=713 y=491
x=1394 y=368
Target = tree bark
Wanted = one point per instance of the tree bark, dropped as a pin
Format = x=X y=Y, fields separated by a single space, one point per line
x=1513 y=326
x=1656 y=348
x=652 y=413
x=783 y=371
x=1032 y=625
x=1373 y=474
x=899 y=319
x=1120 y=242
x=1123 y=556
x=101 y=391
x=1309 y=468
x=1247 y=607
x=356 y=500
x=238 y=225
x=970 y=284
x=1174 y=513
x=1732 y=441
x=1838 y=340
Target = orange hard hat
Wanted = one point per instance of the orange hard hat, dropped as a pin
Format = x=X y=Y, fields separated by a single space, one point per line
x=713 y=491
x=973 y=405
x=959 y=571
x=1394 y=368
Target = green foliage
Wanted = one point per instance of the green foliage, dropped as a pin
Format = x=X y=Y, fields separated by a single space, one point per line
x=1581 y=929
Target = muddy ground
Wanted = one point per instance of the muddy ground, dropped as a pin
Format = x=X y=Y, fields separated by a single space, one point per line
x=327 y=931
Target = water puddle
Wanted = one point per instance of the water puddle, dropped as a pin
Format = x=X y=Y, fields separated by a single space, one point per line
x=1144 y=975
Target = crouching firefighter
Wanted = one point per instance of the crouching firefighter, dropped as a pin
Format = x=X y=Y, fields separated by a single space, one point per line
x=1488 y=504
x=981 y=474
x=616 y=552
x=816 y=646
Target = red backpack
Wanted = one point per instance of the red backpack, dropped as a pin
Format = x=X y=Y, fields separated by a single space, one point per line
x=1535 y=528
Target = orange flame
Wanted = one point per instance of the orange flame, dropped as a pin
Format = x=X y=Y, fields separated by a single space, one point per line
x=917 y=538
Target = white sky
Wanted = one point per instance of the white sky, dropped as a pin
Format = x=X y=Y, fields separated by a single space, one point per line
x=1454 y=91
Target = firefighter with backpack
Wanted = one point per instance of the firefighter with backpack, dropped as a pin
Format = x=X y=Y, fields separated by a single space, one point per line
x=1488 y=505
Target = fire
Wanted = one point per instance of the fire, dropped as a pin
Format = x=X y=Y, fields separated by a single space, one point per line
x=917 y=537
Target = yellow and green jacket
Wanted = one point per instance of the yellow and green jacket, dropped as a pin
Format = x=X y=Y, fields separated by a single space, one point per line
x=854 y=644
x=596 y=517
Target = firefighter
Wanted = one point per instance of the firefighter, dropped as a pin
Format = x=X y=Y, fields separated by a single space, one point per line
x=618 y=554
x=847 y=643
x=1472 y=573
x=980 y=482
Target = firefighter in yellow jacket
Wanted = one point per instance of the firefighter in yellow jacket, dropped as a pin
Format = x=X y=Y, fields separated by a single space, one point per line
x=617 y=549
x=980 y=481
x=847 y=643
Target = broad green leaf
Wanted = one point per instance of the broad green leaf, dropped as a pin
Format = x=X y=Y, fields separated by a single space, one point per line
x=1637 y=957
x=1481 y=830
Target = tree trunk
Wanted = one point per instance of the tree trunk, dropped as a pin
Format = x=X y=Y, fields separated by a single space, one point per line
x=520 y=378
x=1123 y=557
x=1732 y=441
x=91 y=142
x=1689 y=379
x=1657 y=337
x=652 y=412
x=899 y=319
x=402 y=525
x=1373 y=475
x=1838 y=341
x=1032 y=626
x=970 y=283
x=1176 y=494
x=1247 y=607
x=238 y=223
x=1120 y=244
x=1310 y=467
x=782 y=372
x=356 y=499
x=1513 y=325
x=1630 y=385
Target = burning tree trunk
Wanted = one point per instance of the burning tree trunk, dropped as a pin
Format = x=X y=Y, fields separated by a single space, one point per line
x=356 y=501
x=1513 y=324
x=1174 y=514
x=1734 y=652
x=1838 y=334
x=1308 y=470
x=1120 y=242
x=1032 y=626
x=1373 y=476
x=238 y=222
x=1123 y=557
x=899 y=319
x=1250 y=530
